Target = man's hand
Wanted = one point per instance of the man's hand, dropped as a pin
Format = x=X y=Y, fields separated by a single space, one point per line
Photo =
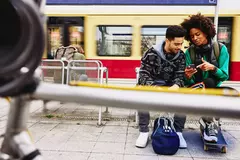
x=206 y=66
x=174 y=87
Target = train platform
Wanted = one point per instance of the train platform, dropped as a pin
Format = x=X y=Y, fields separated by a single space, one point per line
x=69 y=131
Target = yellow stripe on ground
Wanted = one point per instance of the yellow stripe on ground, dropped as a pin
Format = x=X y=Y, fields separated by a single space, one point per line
x=219 y=92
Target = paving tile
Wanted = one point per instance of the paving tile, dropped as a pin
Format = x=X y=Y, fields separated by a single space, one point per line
x=233 y=149
x=101 y=156
x=133 y=130
x=231 y=127
x=161 y=157
x=57 y=155
x=140 y=157
x=50 y=155
x=35 y=106
x=182 y=153
x=109 y=147
x=85 y=136
x=57 y=135
x=40 y=130
x=117 y=123
x=235 y=134
x=77 y=146
x=133 y=124
x=112 y=137
x=73 y=156
x=90 y=128
x=66 y=127
x=49 y=145
x=3 y=123
x=131 y=138
x=115 y=129
x=131 y=149
x=53 y=140
x=210 y=159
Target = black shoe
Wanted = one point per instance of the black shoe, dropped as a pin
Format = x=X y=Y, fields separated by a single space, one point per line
x=210 y=131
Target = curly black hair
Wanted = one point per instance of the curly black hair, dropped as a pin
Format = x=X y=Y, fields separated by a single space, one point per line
x=201 y=22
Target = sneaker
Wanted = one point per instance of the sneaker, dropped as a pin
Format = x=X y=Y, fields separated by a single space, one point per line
x=210 y=131
x=142 y=140
x=182 y=141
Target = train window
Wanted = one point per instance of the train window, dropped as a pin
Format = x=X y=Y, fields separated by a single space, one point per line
x=224 y=35
x=55 y=36
x=114 y=40
x=151 y=35
x=76 y=35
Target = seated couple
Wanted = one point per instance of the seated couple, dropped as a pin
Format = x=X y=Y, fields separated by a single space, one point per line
x=166 y=65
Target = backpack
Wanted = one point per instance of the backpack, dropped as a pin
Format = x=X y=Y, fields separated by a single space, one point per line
x=217 y=46
x=65 y=53
x=165 y=140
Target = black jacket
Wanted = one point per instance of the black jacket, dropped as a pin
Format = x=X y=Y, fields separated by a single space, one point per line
x=156 y=66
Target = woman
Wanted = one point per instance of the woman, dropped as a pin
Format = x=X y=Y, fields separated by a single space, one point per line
x=209 y=68
x=204 y=64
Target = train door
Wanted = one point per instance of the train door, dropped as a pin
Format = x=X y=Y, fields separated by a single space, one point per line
x=225 y=31
x=225 y=35
x=64 y=31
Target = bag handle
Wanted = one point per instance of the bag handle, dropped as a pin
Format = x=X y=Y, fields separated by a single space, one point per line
x=166 y=124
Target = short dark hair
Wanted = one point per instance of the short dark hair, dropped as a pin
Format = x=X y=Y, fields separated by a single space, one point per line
x=175 y=31
x=201 y=22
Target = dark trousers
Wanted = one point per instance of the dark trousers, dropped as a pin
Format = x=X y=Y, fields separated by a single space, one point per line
x=144 y=117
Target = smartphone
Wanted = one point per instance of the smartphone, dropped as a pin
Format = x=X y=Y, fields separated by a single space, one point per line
x=191 y=66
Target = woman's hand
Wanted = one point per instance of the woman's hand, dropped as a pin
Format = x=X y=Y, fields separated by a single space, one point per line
x=189 y=72
x=206 y=66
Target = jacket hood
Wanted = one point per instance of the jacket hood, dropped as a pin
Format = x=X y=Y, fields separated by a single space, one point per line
x=159 y=49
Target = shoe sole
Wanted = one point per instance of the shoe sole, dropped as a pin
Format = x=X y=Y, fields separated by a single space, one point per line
x=207 y=140
x=142 y=146
x=213 y=141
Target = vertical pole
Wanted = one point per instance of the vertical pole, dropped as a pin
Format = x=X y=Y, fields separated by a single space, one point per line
x=216 y=19
x=17 y=122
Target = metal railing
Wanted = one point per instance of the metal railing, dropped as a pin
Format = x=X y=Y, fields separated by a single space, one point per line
x=131 y=98
x=53 y=65
x=77 y=66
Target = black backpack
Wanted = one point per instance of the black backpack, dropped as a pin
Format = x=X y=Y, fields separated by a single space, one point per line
x=217 y=46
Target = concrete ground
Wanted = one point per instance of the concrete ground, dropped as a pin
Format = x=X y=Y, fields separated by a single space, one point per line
x=69 y=131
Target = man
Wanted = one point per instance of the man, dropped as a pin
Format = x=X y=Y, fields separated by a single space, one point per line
x=162 y=65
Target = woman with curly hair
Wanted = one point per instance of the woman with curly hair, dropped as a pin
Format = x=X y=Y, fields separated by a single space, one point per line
x=207 y=64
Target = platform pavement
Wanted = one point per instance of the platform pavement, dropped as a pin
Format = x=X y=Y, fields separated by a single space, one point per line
x=68 y=131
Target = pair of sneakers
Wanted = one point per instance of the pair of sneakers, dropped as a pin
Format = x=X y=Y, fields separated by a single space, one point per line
x=210 y=130
x=143 y=138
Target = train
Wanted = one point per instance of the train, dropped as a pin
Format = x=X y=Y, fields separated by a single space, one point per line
x=118 y=35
